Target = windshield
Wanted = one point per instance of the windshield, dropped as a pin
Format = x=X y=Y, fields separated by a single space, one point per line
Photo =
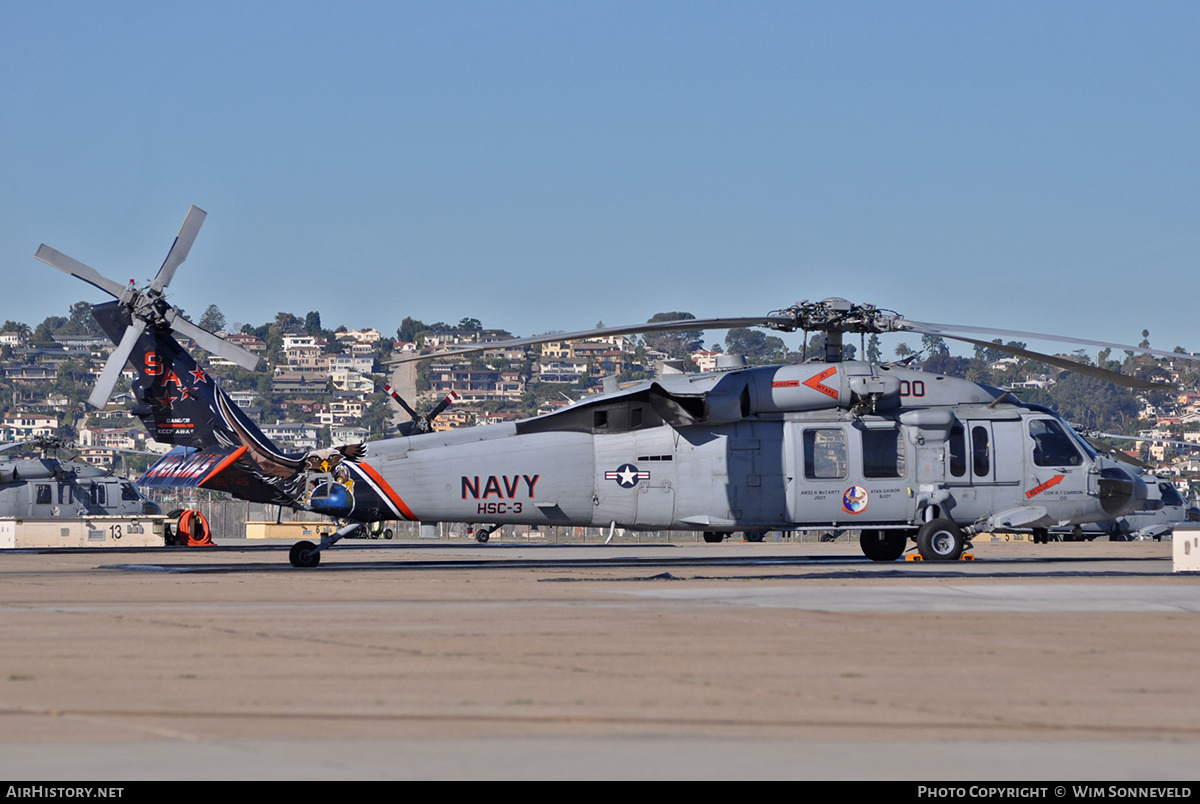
x=1052 y=445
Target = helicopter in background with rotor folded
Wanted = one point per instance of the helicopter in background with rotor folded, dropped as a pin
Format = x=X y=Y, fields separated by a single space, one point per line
x=899 y=454
x=49 y=487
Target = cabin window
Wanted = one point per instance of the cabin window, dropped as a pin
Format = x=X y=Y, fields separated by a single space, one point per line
x=98 y=495
x=1051 y=445
x=825 y=454
x=66 y=494
x=882 y=453
x=958 y=451
x=44 y=496
x=980 y=451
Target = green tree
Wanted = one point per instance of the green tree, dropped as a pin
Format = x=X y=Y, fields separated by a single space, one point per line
x=80 y=321
x=934 y=345
x=874 y=354
x=1094 y=403
x=680 y=343
x=44 y=334
x=409 y=329
x=755 y=345
x=213 y=319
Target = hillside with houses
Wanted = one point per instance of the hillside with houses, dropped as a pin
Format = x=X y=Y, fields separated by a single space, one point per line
x=320 y=387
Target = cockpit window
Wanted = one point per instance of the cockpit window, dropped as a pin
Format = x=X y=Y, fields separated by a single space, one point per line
x=129 y=493
x=1052 y=445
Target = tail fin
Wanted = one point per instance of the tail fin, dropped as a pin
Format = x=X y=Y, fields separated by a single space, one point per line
x=179 y=403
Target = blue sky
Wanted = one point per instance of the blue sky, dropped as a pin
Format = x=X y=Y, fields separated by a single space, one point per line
x=545 y=166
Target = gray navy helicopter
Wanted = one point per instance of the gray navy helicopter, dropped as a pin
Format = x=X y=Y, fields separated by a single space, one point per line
x=48 y=487
x=899 y=454
x=1157 y=516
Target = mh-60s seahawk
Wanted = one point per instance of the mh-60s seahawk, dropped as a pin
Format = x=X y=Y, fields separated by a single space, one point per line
x=896 y=453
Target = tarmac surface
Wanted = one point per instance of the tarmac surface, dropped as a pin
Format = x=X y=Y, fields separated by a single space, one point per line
x=437 y=660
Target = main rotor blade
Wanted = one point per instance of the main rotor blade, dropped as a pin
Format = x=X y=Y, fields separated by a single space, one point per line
x=1094 y=372
x=1109 y=449
x=180 y=248
x=75 y=268
x=114 y=366
x=927 y=328
x=212 y=343
x=660 y=326
x=1188 y=444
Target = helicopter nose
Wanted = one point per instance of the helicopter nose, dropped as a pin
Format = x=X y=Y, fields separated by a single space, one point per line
x=1120 y=491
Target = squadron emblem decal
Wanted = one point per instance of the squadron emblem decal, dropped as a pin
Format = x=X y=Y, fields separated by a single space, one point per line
x=855 y=499
x=627 y=476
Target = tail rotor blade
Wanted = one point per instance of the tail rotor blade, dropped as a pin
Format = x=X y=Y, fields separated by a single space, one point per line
x=114 y=366
x=181 y=247
x=56 y=259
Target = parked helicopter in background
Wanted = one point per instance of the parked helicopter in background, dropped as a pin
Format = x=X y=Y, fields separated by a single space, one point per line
x=896 y=453
x=48 y=487
x=1157 y=516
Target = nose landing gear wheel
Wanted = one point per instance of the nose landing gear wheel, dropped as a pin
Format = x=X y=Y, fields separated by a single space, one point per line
x=304 y=554
x=940 y=540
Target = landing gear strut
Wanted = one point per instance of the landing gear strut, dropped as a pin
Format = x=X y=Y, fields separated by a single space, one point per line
x=307 y=555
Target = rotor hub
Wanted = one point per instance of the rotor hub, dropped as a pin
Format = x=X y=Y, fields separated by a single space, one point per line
x=836 y=315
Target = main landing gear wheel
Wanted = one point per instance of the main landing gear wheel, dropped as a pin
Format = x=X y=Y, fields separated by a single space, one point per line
x=754 y=535
x=304 y=554
x=482 y=535
x=883 y=545
x=940 y=540
x=713 y=537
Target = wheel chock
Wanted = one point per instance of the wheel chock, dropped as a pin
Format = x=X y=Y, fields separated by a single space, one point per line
x=917 y=557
